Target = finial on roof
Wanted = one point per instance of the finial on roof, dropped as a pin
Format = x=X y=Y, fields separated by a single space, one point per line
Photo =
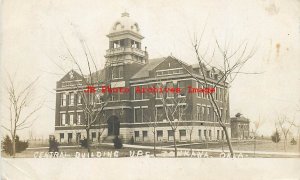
x=125 y=14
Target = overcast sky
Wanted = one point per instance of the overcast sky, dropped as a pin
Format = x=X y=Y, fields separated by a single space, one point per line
x=32 y=33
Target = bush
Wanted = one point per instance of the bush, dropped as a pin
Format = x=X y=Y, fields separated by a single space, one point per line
x=275 y=137
x=293 y=142
x=84 y=143
x=7 y=145
x=117 y=143
x=53 y=144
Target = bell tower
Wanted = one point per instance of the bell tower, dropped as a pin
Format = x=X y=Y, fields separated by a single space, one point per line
x=125 y=43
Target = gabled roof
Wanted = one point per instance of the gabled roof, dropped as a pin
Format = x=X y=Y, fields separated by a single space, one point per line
x=71 y=75
x=144 y=72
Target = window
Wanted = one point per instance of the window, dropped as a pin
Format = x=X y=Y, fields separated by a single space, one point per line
x=117 y=72
x=182 y=134
x=221 y=113
x=198 y=112
x=70 y=136
x=169 y=72
x=209 y=134
x=170 y=135
x=159 y=135
x=199 y=134
x=138 y=115
x=63 y=101
x=159 y=73
x=211 y=114
x=78 y=118
x=78 y=137
x=200 y=87
x=158 y=94
x=145 y=135
x=114 y=97
x=71 y=116
x=62 y=119
x=71 y=96
x=222 y=134
x=136 y=135
x=79 y=99
x=208 y=113
x=159 y=113
x=218 y=134
x=61 y=137
x=137 y=96
x=205 y=134
x=170 y=86
x=204 y=117
x=181 y=85
x=145 y=95
x=93 y=136
x=182 y=113
x=221 y=94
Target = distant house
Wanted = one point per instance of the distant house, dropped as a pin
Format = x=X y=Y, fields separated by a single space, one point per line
x=239 y=127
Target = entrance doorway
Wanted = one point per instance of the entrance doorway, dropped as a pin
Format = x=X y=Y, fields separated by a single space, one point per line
x=113 y=126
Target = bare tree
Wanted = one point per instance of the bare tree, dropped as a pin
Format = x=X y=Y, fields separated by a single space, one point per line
x=233 y=60
x=94 y=101
x=298 y=127
x=174 y=108
x=285 y=127
x=22 y=111
x=257 y=125
x=190 y=130
x=151 y=117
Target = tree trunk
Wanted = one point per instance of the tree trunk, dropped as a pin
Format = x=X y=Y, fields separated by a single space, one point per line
x=154 y=145
x=13 y=146
x=254 y=144
x=174 y=140
x=228 y=141
x=88 y=142
x=191 y=149
x=14 y=142
x=299 y=140
x=285 y=143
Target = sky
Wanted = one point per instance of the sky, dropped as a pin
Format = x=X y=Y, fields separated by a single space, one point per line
x=34 y=36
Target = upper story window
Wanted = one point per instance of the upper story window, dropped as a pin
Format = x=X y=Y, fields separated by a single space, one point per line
x=135 y=44
x=79 y=99
x=169 y=72
x=62 y=119
x=182 y=86
x=71 y=118
x=159 y=112
x=63 y=100
x=137 y=96
x=158 y=94
x=170 y=86
x=78 y=118
x=117 y=72
x=71 y=96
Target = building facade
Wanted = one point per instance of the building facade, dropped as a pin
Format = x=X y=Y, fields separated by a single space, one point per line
x=240 y=127
x=127 y=114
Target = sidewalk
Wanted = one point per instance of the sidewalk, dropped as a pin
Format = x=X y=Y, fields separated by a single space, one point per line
x=170 y=148
x=210 y=150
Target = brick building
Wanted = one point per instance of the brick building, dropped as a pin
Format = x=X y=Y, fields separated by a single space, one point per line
x=128 y=65
x=240 y=127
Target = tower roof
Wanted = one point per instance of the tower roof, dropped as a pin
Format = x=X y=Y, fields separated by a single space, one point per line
x=125 y=23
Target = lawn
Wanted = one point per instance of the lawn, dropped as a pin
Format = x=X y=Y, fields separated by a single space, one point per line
x=261 y=145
